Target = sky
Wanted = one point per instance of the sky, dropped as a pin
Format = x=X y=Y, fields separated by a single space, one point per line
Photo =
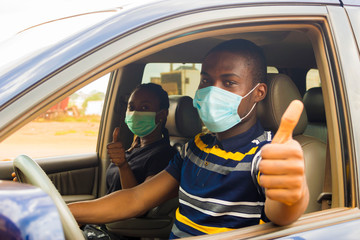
x=16 y=15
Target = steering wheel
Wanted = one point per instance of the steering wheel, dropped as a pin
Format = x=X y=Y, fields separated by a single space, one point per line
x=28 y=171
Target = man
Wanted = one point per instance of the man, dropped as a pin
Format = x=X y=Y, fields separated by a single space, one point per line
x=215 y=176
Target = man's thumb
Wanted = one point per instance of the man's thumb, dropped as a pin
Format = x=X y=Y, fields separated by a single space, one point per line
x=288 y=122
x=115 y=134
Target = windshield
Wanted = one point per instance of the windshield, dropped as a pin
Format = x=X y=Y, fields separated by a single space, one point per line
x=27 y=43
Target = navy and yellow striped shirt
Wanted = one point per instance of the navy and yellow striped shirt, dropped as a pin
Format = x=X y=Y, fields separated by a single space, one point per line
x=218 y=183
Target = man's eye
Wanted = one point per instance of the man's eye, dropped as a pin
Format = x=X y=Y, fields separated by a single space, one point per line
x=228 y=83
x=204 y=81
x=131 y=108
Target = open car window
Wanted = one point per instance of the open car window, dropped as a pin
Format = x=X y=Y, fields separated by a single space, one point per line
x=69 y=127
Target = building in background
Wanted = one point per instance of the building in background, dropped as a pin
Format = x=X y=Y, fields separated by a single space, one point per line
x=184 y=80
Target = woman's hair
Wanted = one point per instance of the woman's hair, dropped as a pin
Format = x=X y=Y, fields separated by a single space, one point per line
x=163 y=98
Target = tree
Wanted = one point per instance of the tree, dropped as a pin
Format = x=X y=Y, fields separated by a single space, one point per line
x=94 y=96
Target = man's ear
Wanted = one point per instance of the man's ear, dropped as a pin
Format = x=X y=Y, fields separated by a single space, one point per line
x=260 y=91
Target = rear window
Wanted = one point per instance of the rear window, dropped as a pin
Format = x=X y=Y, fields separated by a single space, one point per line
x=175 y=78
x=313 y=79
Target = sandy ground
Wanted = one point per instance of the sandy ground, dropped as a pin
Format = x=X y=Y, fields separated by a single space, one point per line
x=44 y=139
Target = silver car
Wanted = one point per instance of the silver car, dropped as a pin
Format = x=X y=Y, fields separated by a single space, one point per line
x=62 y=94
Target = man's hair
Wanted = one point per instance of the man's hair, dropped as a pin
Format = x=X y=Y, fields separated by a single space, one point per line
x=253 y=53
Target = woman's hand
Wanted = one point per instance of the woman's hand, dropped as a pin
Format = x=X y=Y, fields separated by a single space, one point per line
x=116 y=150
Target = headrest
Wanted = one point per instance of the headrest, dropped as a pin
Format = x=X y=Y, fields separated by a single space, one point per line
x=183 y=119
x=314 y=105
x=281 y=91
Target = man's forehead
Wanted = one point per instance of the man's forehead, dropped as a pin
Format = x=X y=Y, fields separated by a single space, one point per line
x=226 y=61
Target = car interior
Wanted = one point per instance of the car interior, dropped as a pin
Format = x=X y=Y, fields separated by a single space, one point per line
x=291 y=52
x=287 y=84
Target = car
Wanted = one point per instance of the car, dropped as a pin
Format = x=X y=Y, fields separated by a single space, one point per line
x=312 y=52
x=27 y=212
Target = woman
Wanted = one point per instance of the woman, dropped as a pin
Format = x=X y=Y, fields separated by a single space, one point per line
x=151 y=151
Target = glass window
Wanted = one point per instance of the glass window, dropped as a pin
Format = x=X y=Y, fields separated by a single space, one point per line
x=313 y=79
x=271 y=69
x=178 y=78
x=175 y=78
x=69 y=127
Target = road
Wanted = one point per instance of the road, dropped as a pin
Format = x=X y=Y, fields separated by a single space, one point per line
x=45 y=139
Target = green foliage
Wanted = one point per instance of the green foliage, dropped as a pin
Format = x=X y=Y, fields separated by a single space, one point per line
x=66 y=118
x=59 y=133
x=95 y=96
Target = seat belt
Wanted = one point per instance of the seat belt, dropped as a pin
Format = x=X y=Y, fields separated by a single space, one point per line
x=326 y=196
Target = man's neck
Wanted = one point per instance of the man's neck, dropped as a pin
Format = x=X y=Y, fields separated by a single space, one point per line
x=236 y=130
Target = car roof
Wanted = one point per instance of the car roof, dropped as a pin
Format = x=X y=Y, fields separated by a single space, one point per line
x=351 y=2
x=130 y=18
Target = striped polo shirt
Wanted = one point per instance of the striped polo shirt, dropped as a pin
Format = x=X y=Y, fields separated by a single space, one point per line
x=218 y=183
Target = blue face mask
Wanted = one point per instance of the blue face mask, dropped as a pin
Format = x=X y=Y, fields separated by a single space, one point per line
x=218 y=108
x=140 y=123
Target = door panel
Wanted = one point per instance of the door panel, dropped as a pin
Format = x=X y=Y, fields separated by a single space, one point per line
x=74 y=176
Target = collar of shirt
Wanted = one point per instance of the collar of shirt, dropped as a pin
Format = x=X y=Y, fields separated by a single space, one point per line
x=233 y=143
x=150 y=146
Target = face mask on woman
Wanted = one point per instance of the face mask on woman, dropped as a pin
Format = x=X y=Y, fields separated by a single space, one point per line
x=141 y=123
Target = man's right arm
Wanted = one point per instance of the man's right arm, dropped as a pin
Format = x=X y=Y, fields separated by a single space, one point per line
x=126 y=203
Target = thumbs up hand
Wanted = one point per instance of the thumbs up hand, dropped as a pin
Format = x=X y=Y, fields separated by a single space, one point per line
x=282 y=165
x=116 y=150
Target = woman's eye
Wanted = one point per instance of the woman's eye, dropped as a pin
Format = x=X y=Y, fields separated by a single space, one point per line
x=131 y=108
x=144 y=108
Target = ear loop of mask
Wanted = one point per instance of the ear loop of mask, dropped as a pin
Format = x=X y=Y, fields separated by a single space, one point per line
x=160 y=124
x=249 y=112
x=252 y=108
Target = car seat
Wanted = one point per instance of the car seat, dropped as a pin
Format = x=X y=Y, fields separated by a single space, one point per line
x=314 y=106
x=281 y=91
x=183 y=123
